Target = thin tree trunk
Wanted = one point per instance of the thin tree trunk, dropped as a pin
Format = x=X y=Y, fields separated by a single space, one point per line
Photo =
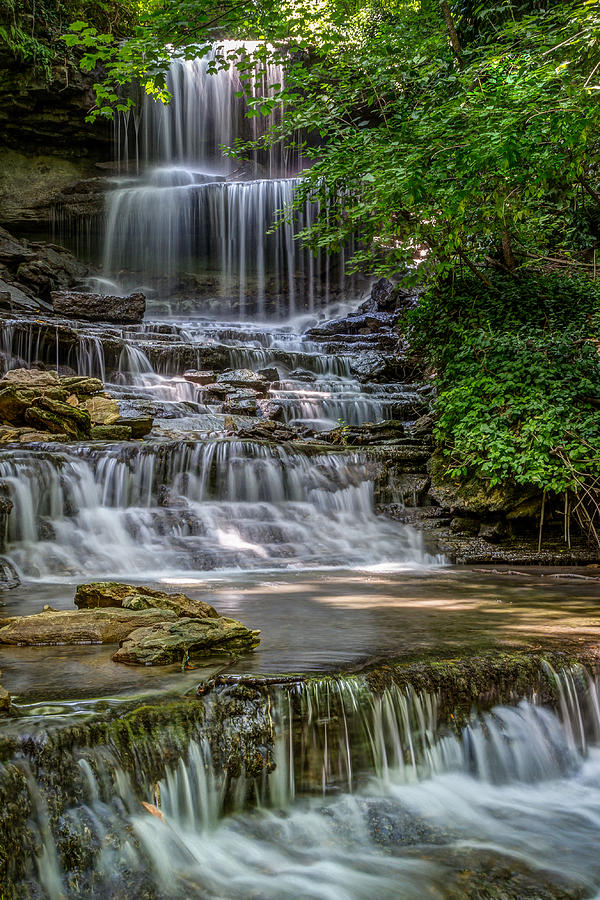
x=509 y=257
x=474 y=269
x=452 y=34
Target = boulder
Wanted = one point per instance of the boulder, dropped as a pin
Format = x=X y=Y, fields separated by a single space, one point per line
x=178 y=641
x=387 y=297
x=81 y=385
x=4 y=699
x=31 y=378
x=9 y=577
x=139 y=426
x=269 y=373
x=58 y=418
x=102 y=410
x=99 y=307
x=269 y=409
x=79 y=626
x=15 y=401
x=197 y=377
x=103 y=594
x=244 y=378
x=265 y=430
x=111 y=433
x=367 y=323
x=241 y=407
x=376 y=366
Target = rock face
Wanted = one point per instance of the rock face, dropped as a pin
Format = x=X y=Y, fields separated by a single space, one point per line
x=102 y=594
x=99 y=307
x=79 y=626
x=169 y=642
x=387 y=297
x=33 y=270
x=475 y=498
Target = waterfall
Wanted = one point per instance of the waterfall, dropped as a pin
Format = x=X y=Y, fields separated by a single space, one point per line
x=160 y=509
x=325 y=789
x=188 y=224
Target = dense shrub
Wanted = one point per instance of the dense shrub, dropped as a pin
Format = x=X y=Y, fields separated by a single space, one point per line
x=518 y=377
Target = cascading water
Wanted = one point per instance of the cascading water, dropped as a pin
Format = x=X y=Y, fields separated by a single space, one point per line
x=347 y=794
x=166 y=509
x=192 y=224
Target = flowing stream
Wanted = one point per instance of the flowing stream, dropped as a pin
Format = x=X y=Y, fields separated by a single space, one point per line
x=369 y=794
x=331 y=787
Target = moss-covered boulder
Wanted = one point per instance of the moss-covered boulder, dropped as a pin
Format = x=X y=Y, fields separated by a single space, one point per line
x=475 y=496
x=170 y=642
x=16 y=400
x=103 y=594
x=82 y=386
x=111 y=433
x=58 y=417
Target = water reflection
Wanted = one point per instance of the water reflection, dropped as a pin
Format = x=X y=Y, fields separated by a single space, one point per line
x=322 y=622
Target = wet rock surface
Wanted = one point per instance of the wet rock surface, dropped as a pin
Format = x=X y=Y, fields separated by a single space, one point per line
x=102 y=594
x=81 y=626
x=185 y=639
x=99 y=307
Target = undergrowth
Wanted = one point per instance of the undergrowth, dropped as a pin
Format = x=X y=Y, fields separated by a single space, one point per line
x=518 y=372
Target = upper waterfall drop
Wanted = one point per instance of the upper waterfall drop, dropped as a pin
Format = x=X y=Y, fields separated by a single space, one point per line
x=185 y=222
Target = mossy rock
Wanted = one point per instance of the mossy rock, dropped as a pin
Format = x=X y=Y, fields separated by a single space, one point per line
x=111 y=433
x=475 y=495
x=103 y=594
x=59 y=418
x=169 y=642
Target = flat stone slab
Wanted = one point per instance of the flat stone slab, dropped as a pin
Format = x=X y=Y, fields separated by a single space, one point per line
x=104 y=594
x=99 y=307
x=171 y=642
x=79 y=626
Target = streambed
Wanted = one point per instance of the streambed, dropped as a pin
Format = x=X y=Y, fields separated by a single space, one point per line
x=326 y=621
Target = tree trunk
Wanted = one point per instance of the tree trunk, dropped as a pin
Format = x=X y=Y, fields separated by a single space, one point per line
x=509 y=258
x=452 y=34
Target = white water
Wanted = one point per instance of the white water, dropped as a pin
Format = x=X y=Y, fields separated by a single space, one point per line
x=163 y=509
x=512 y=800
x=185 y=221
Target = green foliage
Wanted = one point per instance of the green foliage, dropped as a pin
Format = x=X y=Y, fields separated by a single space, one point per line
x=519 y=378
x=488 y=154
x=29 y=28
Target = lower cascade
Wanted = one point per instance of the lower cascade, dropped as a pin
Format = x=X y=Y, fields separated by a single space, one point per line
x=332 y=790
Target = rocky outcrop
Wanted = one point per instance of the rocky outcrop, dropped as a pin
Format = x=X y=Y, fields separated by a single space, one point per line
x=102 y=594
x=78 y=626
x=475 y=498
x=39 y=405
x=390 y=431
x=30 y=271
x=385 y=296
x=127 y=310
x=48 y=148
x=185 y=639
